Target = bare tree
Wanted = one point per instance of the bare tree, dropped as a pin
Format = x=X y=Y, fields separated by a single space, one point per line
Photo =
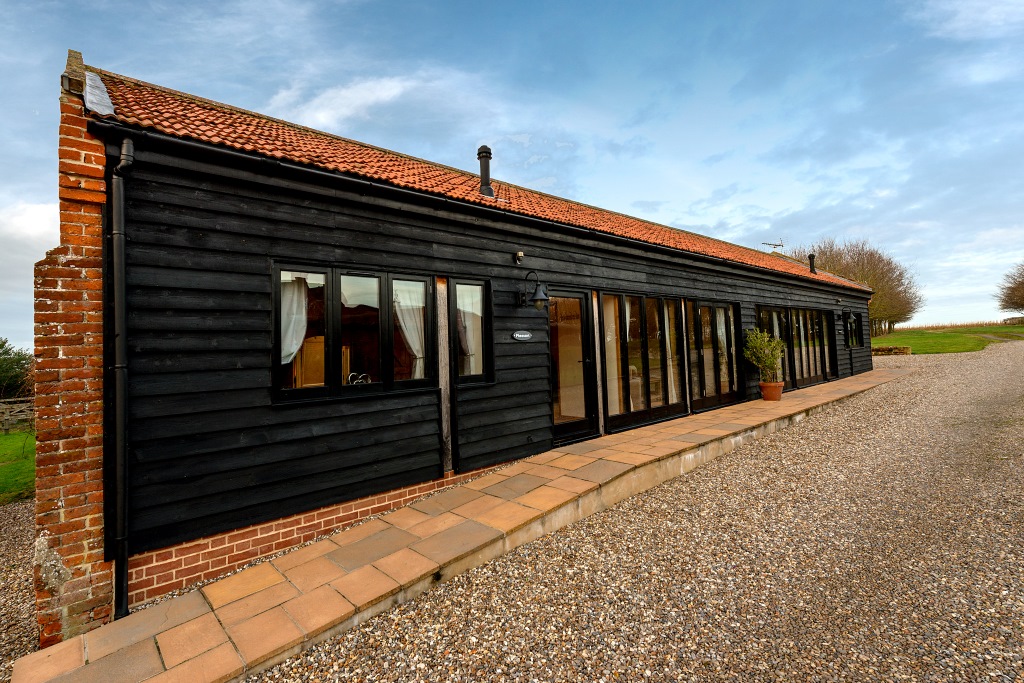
x=897 y=296
x=1011 y=290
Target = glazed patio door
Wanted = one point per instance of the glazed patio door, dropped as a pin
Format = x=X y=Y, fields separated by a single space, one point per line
x=714 y=367
x=573 y=368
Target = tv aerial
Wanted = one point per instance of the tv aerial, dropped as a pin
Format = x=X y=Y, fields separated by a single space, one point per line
x=773 y=245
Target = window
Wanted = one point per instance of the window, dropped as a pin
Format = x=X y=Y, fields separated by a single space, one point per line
x=470 y=330
x=303 y=327
x=853 y=330
x=343 y=332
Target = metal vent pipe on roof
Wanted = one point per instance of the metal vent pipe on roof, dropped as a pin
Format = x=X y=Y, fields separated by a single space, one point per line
x=810 y=259
x=484 y=155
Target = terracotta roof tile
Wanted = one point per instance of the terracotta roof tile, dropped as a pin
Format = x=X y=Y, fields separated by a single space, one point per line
x=187 y=116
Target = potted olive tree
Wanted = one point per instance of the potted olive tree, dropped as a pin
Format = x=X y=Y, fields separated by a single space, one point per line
x=765 y=352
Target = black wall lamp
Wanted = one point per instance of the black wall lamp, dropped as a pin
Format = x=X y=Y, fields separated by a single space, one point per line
x=540 y=295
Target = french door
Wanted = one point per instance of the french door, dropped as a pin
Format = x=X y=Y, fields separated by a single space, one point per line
x=642 y=359
x=573 y=366
x=714 y=367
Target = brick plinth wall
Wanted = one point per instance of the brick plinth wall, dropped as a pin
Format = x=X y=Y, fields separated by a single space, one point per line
x=73 y=584
x=159 y=572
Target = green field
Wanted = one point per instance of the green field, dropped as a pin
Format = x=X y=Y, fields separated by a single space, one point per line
x=951 y=339
x=17 y=466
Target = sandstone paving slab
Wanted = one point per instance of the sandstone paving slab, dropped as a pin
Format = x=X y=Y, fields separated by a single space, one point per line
x=361 y=553
x=457 y=542
x=314 y=573
x=136 y=662
x=318 y=610
x=257 y=603
x=144 y=624
x=218 y=665
x=516 y=486
x=446 y=500
x=265 y=635
x=243 y=584
x=191 y=639
x=45 y=665
x=366 y=586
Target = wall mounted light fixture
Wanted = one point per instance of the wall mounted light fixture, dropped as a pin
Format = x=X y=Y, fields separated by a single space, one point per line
x=540 y=294
x=519 y=257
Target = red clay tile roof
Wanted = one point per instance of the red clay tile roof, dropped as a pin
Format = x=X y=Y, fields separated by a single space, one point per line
x=187 y=116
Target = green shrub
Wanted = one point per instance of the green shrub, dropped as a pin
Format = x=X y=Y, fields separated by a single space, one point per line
x=765 y=352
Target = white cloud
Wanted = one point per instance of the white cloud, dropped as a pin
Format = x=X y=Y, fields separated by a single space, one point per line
x=26 y=232
x=28 y=229
x=334 y=107
x=972 y=19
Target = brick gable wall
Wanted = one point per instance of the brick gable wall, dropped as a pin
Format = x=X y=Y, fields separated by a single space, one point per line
x=73 y=583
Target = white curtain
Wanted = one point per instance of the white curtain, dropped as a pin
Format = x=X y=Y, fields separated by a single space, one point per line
x=670 y=364
x=410 y=306
x=293 y=318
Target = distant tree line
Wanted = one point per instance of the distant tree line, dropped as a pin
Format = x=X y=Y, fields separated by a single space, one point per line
x=1011 y=290
x=897 y=295
x=15 y=371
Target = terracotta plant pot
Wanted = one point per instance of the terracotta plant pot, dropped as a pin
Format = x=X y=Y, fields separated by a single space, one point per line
x=772 y=391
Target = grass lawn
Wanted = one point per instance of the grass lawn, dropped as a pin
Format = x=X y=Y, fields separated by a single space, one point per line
x=950 y=339
x=17 y=466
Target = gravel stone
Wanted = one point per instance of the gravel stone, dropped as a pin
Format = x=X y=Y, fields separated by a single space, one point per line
x=17 y=597
x=879 y=539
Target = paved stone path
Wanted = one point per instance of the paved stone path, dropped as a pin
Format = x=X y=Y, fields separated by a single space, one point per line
x=276 y=609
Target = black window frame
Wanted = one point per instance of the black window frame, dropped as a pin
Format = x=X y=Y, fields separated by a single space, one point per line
x=333 y=387
x=487 y=376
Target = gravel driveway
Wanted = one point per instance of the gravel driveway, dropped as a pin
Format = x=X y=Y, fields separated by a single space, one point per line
x=18 y=636
x=881 y=539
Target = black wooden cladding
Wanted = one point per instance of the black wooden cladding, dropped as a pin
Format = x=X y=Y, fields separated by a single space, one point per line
x=211 y=451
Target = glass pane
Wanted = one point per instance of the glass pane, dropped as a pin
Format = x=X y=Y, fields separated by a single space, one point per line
x=730 y=332
x=409 y=318
x=826 y=337
x=797 y=345
x=779 y=330
x=635 y=349
x=567 y=353
x=723 y=350
x=814 y=327
x=692 y=330
x=302 y=329
x=469 y=321
x=674 y=360
x=654 y=364
x=360 y=329
x=708 y=352
x=613 y=356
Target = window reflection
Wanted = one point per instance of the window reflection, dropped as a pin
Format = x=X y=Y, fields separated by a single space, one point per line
x=469 y=322
x=360 y=329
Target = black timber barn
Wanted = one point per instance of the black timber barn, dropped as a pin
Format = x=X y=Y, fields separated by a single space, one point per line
x=295 y=319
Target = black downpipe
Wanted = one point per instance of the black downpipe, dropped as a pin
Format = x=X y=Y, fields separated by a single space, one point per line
x=120 y=380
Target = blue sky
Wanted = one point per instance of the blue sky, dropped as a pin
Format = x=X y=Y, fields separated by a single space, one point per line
x=897 y=122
